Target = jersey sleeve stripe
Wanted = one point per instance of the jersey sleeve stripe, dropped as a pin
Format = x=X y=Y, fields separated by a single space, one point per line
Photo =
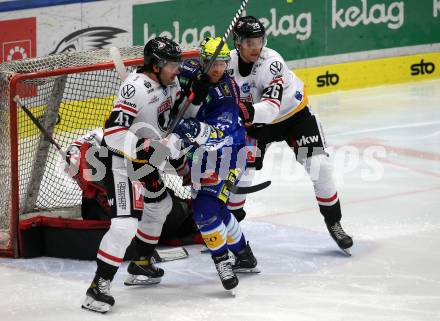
x=295 y=110
x=113 y=130
x=236 y=204
x=273 y=101
x=237 y=96
x=277 y=81
x=126 y=108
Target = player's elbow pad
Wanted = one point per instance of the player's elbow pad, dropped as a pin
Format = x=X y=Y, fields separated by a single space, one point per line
x=265 y=112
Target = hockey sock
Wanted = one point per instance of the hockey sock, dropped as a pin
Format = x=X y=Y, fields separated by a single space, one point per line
x=207 y=215
x=143 y=249
x=236 y=240
x=331 y=213
x=319 y=169
x=105 y=270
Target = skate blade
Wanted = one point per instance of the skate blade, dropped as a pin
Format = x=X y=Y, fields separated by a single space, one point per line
x=232 y=292
x=204 y=249
x=141 y=280
x=95 y=306
x=244 y=270
x=346 y=251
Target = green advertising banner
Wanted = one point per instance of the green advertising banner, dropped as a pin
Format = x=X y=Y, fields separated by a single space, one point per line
x=301 y=29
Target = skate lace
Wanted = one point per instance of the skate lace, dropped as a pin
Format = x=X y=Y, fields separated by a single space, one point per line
x=338 y=231
x=224 y=269
x=104 y=286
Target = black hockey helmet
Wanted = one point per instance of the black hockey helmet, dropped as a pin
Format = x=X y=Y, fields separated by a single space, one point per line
x=159 y=51
x=248 y=27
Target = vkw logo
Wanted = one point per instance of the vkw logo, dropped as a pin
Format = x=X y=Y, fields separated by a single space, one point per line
x=327 y=79
x=128 y=91
x=422 y=68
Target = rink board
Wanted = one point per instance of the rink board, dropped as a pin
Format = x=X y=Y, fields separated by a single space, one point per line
x=370 y=73
x=319 y=80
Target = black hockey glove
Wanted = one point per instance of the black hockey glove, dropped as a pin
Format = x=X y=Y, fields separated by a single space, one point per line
x=200 y=88
x=247 y=112
x=260 y=132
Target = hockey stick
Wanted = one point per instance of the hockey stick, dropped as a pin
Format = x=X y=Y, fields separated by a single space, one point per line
x=208 y=67
x=234 y=189
x=119 y=64
x=172 y=254
x=159 y=255
x=38 y=124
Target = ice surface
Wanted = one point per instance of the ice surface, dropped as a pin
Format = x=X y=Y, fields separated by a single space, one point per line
x=385 y=145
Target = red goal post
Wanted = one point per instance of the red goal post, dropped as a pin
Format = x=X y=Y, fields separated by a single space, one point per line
x=70 y=94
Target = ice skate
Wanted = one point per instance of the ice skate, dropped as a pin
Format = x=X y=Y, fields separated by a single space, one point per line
x=143 y=272
x=223 y=265
x=98 y=297
x=344 y=241
x=245 y=261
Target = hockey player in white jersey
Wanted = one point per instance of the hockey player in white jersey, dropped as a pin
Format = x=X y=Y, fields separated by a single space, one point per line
x=275 y=107
x=137 y=197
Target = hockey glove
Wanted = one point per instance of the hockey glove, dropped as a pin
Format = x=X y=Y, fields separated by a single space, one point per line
x=200 y=88
x=193 y=131
x=247 y=112
x=76 y=169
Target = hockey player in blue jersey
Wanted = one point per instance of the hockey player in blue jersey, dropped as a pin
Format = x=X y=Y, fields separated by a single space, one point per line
x=213 y=127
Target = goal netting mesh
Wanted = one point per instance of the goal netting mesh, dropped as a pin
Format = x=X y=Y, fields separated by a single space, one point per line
x=70 y=94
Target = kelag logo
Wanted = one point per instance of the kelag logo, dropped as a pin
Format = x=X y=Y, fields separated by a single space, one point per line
x=175 y=20
x=17 y=39
x=327 y=79
x=422 y=68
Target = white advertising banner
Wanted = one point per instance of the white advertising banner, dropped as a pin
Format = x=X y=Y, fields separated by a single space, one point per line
x=63 y=28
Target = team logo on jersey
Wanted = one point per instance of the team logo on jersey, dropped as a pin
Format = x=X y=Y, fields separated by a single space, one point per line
x=163 y=114
x=307 y=140
x=128 y=91
x=138 y=198
x=147 y=84
x=245 y=88
x=230 y=72
x=155 y=99
x=275 y=67
x=126 y=102
x=225 y=89
x=226 y=117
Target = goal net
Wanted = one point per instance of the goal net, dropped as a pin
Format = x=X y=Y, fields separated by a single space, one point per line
x=70 y=94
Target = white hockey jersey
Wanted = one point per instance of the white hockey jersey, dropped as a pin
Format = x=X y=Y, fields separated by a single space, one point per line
x=141 y=110
x=276 y=92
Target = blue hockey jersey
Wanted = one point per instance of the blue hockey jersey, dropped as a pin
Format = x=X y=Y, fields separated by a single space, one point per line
x=220 y=109
x=225 y=148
